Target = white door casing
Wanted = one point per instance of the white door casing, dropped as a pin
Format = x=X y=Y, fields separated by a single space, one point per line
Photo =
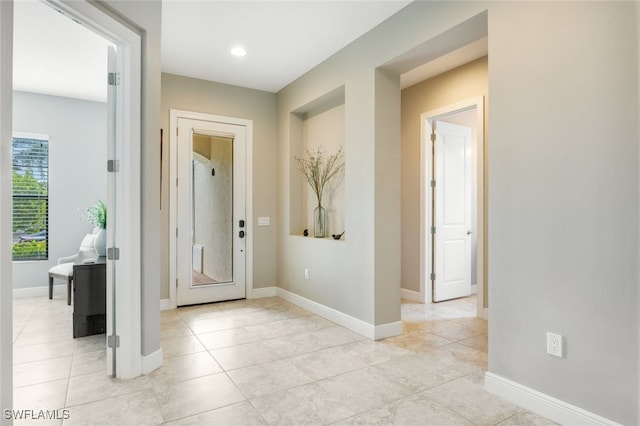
x=124 y=213
x=452 y=214
x=183 y=125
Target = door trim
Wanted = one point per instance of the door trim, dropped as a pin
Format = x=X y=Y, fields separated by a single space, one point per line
x=129 y=137
x=426 y=295
x=174 y=115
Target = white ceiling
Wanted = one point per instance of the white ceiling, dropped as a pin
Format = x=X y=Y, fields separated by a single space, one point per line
x=284 y=39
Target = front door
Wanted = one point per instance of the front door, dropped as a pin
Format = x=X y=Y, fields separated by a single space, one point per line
x=210 y=234
x=452 y=212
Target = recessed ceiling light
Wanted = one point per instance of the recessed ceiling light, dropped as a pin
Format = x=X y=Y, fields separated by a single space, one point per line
x=238 y=51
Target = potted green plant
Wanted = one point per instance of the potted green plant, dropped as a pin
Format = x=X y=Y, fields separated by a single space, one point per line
x=318 y=171
x=97 y=216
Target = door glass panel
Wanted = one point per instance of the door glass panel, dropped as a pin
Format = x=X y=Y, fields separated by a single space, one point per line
x=212 y=210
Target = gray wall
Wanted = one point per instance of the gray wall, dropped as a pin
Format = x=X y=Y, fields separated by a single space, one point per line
x=563 y=189
x=190 y=94
x=77 y=176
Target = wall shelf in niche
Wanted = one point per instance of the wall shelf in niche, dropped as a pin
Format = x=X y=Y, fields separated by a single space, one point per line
x=319 y=124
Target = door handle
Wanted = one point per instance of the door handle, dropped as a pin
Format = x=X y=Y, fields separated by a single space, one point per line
x=241 y=234
x=469 y=232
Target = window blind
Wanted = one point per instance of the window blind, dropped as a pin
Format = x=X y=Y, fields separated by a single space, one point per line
x=30 y=190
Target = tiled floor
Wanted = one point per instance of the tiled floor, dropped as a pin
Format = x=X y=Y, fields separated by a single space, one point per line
x=264 y=361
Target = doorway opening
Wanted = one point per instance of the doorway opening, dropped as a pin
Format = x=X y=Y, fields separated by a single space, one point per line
x=120 y=133
x=210 y=208
x=452 y=203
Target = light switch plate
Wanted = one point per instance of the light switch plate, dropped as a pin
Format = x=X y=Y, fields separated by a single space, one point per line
x=264 y=221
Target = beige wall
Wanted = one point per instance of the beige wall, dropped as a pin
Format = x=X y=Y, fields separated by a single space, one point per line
x=462 y=83
x=195 y=95
x=562 y=187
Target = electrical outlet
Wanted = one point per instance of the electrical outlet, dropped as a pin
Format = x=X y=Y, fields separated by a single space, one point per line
x=306 y=273
x=554 y=344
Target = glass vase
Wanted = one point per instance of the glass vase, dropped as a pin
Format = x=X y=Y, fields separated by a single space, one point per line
x=319 y=222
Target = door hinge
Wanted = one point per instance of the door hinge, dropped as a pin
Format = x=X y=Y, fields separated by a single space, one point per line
x=113 y=166
x=114 y=78
x=113 y=341
x=113 y=253
x=433 y=229
x=433 y=183
x=433 y=137
x=433 y=276
x=176 y=232
x=176 y=283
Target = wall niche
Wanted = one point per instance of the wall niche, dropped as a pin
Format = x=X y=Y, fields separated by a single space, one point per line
x=317 y=124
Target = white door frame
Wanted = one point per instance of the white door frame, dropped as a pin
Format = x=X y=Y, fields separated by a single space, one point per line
x=174 y=115
x=426 y=295
x=127 y=212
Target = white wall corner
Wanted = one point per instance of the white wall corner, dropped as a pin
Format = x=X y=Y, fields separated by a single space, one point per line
x=542 y=404
x=414 y=296
x=354 y=324
x=152 y=361
x=258 y=293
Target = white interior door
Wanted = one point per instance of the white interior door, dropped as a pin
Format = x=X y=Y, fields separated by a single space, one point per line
x=452 y=212
x=210 y=217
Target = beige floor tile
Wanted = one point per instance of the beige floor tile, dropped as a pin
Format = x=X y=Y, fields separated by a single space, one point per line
x=43 y=336
x=243 y=355
x=305 y=405
x=42 y=351
x=328 y=362
x=175 y=329
x=226 y=338
x=183 y=345
x=184 y=367
x=192 y=313
x=416 y=410
x=463 y=356
x=41 y=371
x=267 y=378
x=420 y=372
x=371 y=352
x=42 y=396
x=364 y=389
x=198 y=395
x=479 y=343
x=136 y=409
x=527 y=419
x=298 y=344
x=89 y=363
x=207 y=325
x=98 y=386
x=241 y=414
x=466 y=397
x=91 y=343
x=65 y=320
x=290 y=326
x=417 y=341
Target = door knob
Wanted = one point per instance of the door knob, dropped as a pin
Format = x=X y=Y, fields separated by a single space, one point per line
x=469 y=232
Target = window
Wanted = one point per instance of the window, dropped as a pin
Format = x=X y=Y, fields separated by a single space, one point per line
x=30 y=189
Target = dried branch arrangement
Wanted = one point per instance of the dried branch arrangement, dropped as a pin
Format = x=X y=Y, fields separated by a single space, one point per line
x=318 y=169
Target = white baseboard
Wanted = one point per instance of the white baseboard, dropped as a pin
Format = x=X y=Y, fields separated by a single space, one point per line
x=414 y=296
x=19 y=293
x=542 y=404
x=152 y=361
x=165 y=305
x=484 y=314
x=354 y=324
x=258 y=293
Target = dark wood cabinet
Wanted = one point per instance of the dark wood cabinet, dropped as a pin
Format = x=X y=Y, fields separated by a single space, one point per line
x=89 y=297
